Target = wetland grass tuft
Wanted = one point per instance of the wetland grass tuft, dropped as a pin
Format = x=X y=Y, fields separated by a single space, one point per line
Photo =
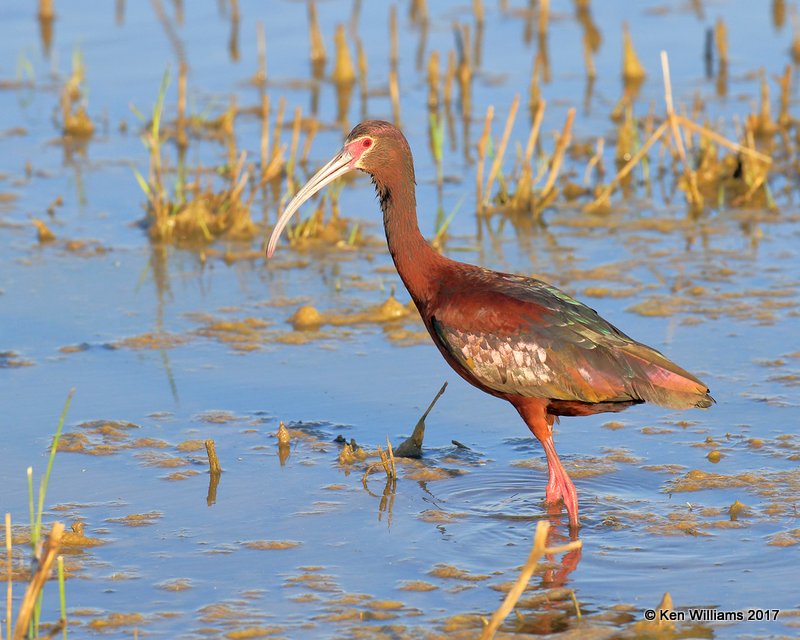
x=711 y=182
x=526 y=197
x=501 y=150
x=190 y=212
x=75 y=121
x=44 y=553
x=548 y=190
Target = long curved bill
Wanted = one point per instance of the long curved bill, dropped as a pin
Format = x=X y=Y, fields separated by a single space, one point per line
x=338 y=166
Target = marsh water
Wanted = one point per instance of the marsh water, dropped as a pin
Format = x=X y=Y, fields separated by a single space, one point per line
x=169 y=345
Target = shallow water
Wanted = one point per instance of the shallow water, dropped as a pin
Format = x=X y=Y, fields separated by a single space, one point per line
x=718 y=294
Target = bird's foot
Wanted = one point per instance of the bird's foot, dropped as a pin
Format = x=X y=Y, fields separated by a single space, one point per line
x=552 y=494
x=560 y=489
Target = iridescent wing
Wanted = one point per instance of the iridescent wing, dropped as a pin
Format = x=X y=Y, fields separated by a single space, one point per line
x=521 y=336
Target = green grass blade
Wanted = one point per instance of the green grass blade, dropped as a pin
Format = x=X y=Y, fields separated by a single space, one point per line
x=30 y=507
x=53 y=449
x=62 y=596
x=351 y=240
x=443 y=228
x=142 y=182
x=157 y=110
x=135 y=111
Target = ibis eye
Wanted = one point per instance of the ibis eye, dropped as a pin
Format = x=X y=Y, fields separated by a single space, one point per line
x=366 y=143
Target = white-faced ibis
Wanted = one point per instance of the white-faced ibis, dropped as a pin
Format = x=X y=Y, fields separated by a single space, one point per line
x=513 y=337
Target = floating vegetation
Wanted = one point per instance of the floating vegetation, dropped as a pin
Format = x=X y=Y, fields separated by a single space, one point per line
x=75 y=121
x=11 y=359
x=138 y=519
x=271 y=545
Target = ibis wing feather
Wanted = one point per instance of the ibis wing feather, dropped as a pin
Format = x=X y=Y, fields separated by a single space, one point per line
x=521 y=336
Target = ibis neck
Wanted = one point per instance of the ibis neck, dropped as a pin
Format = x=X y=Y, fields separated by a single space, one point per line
x=417 y=263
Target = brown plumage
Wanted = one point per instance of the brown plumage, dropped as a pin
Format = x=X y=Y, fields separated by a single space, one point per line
x=513 y=337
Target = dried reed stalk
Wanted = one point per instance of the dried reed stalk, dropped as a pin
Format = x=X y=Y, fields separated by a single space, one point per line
x=723 y=141
x=544 y=16
x=588 y=60
x=264 y=132
x=535 y=92
x=501 y=150
x=477 y=10
x=298 y=121
x=523 y=195
x=558 y=154
x=394 y=92
x=394 y=38
x=595 y=161
x=632 y=69
x=539 y=549
x=276 y=131
x=482 y=142
x=313 y=127
x=785 y=83
x=635 y=159
x=721 y=41
x=183 y=139
x=464 y=72
x=390 y=456
x=343 y=71
x=46 y=11
x=213 y=460
x=10 y=587
x=386 y=463
x=449 y=77
x=49 y=553
x=433 y=80
x=261 y=44
x=418 y=11
x=317 y=43
x=361 y=60
x=694 y=194
x=533 y=137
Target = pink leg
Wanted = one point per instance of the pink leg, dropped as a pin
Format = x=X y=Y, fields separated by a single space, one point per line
x=559 y=485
